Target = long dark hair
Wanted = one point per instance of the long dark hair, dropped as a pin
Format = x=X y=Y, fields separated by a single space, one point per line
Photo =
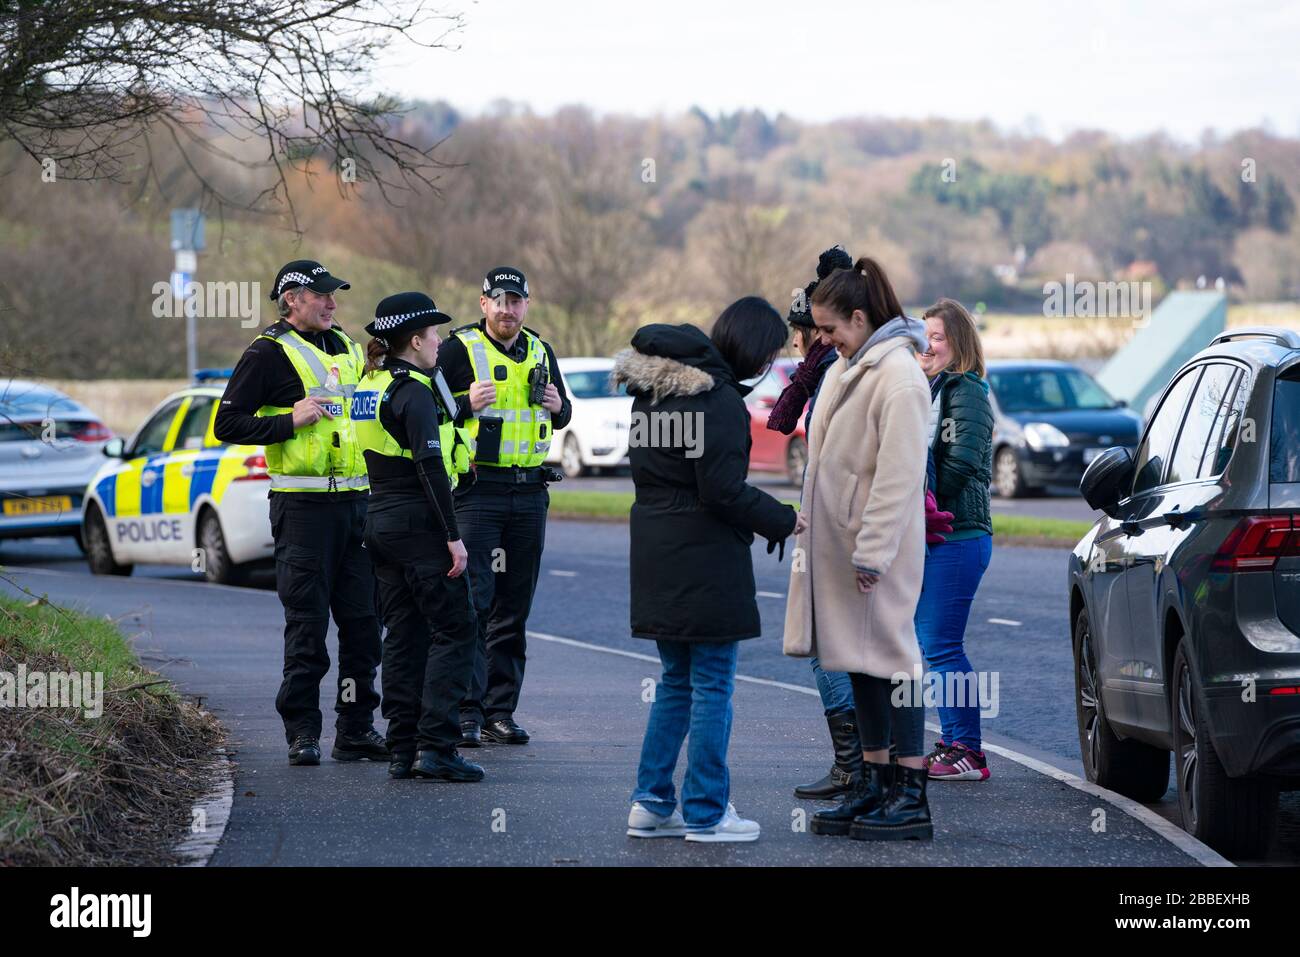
x=864 y=287
x=748 y=334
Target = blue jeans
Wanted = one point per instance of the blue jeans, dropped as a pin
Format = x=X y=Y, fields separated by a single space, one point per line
x=835 y=689
x=952 y=574
x=694 y=696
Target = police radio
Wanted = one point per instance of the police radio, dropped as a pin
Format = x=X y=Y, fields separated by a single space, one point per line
x=538 y=379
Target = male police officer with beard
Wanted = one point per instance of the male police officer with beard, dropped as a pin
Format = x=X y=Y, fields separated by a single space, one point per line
x=511 y=399
x=291 y=392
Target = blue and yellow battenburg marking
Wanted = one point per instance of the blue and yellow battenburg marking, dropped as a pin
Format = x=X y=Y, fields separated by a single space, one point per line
x=170 y=483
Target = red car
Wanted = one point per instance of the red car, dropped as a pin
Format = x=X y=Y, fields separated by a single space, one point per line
x=773 y=452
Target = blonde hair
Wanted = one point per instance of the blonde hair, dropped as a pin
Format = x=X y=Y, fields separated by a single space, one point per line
x=962 y=334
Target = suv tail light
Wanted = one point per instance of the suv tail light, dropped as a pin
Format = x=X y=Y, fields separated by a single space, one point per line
x=256 y=465
x=1257 y=543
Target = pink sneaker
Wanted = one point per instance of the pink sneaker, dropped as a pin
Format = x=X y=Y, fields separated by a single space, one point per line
x=959 y=763
x=939 y=748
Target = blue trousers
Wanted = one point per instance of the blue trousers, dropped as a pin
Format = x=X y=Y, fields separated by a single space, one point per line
x=693 y=698
x=835 y=688
x=952 y=574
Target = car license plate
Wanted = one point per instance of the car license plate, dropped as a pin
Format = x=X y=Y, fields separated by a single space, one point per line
x=41 y=505
x=1090 y=454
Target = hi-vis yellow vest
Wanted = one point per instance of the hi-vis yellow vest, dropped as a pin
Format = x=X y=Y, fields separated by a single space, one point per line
x=323 y=457
x=370 y=396
x=525 y=429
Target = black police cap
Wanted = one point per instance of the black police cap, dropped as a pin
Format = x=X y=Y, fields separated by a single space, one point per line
x=306 y=273
x=405 y=310
x=505 y=279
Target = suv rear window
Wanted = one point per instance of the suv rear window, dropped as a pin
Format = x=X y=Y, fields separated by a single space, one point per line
x=1284 y=440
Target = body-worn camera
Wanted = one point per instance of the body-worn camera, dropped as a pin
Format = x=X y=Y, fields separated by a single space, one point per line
x=538 y=379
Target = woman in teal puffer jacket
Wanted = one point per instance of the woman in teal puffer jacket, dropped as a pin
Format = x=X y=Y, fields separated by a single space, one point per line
x=961 y=441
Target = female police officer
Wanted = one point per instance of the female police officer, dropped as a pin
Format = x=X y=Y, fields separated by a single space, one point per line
x=403 y=413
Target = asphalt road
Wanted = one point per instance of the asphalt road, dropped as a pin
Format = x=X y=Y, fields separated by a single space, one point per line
x=1054 y=502
x=563 y=798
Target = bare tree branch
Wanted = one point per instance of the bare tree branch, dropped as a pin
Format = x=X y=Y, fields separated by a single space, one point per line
x=85 y=82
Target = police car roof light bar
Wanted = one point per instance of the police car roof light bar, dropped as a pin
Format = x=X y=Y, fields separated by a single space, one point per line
x=206 y=375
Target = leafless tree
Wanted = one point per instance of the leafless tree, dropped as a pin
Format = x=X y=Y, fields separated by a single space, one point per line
x=85 y=84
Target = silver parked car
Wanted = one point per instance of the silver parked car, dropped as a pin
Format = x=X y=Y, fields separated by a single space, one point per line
x=50 y=448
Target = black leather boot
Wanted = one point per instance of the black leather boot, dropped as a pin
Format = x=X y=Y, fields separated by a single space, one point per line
x=868 y=791
x=848 y=760
x=400 y=766
x=904 y=815
x=430 y=766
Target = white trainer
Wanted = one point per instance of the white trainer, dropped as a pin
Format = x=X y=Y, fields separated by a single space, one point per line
x=732 y=829
x=643 y=822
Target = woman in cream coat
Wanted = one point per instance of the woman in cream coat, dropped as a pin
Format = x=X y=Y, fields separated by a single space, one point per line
x=858 y=567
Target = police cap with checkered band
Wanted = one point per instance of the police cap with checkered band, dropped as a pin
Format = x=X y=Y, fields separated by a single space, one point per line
x=308 y=273
x=405 y=311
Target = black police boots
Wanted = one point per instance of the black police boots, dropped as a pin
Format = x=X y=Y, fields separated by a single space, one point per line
x=904 y=814
x=400 y=767
x=867 y=793
x=504 y=731
x=362 y=745
x=305 y=750
x=431 y=766
x=848 y=760
x=470 y=734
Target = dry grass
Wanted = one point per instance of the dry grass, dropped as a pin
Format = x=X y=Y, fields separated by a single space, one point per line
x=112 y=790
x=1012 y=336
x=122 y=404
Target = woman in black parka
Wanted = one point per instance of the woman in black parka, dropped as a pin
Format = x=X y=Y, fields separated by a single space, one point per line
x=692 y=577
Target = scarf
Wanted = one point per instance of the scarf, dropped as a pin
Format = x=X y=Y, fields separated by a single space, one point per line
x=785 y=412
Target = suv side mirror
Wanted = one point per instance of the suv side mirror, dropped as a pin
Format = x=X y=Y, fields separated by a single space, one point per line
x=1107 y=479
x=114 y=447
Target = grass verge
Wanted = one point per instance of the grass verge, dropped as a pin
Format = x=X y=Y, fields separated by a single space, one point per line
x=113 y=788
x=1008 y=529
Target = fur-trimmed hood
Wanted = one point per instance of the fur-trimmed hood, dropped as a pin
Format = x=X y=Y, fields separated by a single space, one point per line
x=670 y=360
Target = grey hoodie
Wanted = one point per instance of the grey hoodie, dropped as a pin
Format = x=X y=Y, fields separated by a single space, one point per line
x=914 y=329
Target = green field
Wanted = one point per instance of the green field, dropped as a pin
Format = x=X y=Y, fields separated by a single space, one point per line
x=1012 y=529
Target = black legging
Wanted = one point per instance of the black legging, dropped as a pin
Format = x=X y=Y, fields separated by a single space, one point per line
x=880 y=720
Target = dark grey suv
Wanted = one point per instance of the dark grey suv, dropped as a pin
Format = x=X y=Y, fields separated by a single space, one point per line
x=1185 y=596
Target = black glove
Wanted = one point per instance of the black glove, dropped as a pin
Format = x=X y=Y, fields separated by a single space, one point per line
x=779 y=545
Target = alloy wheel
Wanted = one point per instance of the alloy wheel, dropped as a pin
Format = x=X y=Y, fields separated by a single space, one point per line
x=1185 y=743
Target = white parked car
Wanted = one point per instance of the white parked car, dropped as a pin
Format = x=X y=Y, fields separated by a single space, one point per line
x=597 y=435
x=174 y=495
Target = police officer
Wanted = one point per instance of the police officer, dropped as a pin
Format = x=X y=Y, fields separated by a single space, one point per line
x=511 y=399
x=404 y=414
x=290 y=392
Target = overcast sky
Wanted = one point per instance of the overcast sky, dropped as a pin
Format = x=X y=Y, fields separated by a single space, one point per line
x=1130 y=68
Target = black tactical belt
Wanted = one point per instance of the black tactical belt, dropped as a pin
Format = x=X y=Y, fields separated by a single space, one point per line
x=511 y=475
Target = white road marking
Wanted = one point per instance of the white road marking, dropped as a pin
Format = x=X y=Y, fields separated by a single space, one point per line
x=1171 y=832
x=770 y=594
x=558 y=573
x=196 y=583
x=1174 y=834
x=1004 y=621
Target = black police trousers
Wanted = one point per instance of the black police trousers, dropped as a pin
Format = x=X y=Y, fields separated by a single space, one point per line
x=432 y=629
x=504 y=533
x=321 y=568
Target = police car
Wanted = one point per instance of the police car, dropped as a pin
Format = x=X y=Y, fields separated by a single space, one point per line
x=174 y=495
